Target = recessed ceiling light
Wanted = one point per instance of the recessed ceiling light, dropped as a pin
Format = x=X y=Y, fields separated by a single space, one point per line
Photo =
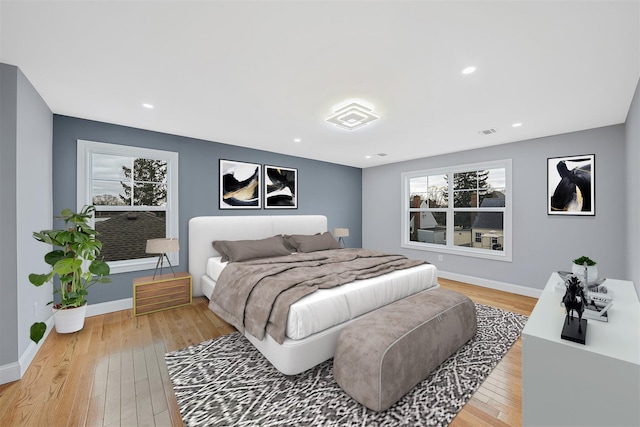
x=367 y=157
x=297 y=140
x=149 y=106
x=468 y=70
x=352 y=115
x=516 y=125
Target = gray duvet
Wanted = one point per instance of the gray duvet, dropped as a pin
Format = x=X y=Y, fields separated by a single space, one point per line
x=256 y=295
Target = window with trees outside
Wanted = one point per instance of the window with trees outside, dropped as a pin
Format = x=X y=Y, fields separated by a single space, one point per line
x=135 y=193
x=464 y=210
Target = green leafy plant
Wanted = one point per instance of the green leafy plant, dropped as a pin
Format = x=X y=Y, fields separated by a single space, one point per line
x=75 y=247
x=583 y=259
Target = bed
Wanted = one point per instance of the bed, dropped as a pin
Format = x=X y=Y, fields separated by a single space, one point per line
x=314 y=322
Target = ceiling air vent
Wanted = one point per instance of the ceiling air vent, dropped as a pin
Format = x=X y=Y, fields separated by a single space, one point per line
x=381 y=154
x=487 y=131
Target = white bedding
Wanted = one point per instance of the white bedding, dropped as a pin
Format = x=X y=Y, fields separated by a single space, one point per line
x=329 y=307
x=214 y=268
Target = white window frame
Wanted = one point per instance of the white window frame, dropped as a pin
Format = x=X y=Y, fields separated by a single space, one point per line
x=449 y=247
x=86 y=149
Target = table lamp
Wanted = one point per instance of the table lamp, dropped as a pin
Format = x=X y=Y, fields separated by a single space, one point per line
x=161 y=247
x=341 y=233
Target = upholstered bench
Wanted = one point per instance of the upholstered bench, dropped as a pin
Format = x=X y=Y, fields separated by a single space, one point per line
x=382 y=356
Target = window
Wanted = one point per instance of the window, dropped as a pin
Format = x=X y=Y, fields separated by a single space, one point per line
x=135 y=193
x=465 y=210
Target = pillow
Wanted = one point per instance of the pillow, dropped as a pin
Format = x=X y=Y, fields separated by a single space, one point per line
x=221 y=247
x=317 y=242
x=244 y=250
x=288 y=243
x=291 y=243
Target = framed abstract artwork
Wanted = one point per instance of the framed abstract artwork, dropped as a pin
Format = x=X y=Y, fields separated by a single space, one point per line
x=571 y=185
x=280 y=187
x=240 y=186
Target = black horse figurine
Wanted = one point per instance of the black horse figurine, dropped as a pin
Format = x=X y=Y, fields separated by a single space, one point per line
x=574 y=300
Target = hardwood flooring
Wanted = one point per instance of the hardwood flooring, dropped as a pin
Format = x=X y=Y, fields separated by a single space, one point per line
x=498 y=401
x=112 y=373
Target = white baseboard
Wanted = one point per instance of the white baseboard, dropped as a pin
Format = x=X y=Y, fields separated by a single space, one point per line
x=492 y=284
x=10 y=373
x=109 y=307
x=14 y=371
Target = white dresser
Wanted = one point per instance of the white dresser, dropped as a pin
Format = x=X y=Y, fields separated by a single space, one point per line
x=570 y=384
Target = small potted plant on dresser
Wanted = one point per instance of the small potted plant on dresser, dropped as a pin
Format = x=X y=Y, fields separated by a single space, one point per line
x=74 y=261
x=578 y=266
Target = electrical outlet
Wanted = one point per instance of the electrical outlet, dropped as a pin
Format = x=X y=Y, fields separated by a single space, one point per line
x=35 y=310
x=440 y=257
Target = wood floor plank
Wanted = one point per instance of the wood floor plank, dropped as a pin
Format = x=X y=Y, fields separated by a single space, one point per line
x=81 y=380
x=112 y=398
x=113 y=372
x=143 y=403
x=128 y=408
x=95 y=411
x=484 y=415
x=163 y=419
x=99 y=390
x=139 y=364
x=8 y=393
x=158 y=398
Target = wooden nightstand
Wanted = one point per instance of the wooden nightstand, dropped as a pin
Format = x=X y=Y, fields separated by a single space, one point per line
x=164 y=292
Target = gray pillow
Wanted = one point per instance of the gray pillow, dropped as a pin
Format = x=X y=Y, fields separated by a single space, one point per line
x=288 y=243
x=291 y=241
x=312 y=243
x=221 y=247
x=244 y=250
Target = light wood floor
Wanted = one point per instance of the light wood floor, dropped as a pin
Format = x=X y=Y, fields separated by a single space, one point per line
x=112 y=373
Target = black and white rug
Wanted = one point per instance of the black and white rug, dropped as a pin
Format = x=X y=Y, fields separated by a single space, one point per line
x=227 y=382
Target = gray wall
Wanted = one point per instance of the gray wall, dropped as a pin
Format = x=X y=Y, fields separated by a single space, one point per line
x=8 y=256
x=323 y=188
x=633 y=190
x=541 y=243
x=26 y=131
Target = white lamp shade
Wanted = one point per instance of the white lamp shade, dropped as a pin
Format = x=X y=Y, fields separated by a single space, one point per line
x=162 y=246
x=341 y=232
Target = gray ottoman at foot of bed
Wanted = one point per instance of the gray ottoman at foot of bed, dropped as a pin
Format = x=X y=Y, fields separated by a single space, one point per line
x=382 y=356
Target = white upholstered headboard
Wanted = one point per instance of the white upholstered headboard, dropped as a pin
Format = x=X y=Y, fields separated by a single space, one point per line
x=203 y=230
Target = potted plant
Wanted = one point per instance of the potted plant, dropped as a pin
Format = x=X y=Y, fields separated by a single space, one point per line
x=74 y=262
x=577 y=268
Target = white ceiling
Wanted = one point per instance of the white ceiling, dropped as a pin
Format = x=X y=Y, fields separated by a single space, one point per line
x=261 y=73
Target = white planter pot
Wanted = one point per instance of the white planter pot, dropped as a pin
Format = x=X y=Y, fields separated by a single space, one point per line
x=592 y=272
x=70 y=319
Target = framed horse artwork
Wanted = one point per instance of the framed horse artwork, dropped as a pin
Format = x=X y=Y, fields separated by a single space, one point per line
x=571 y=185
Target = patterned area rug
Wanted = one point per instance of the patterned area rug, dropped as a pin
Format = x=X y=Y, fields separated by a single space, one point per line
x=227 y=382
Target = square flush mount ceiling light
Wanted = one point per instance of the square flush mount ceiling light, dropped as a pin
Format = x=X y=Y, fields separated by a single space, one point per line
x=352 y=116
